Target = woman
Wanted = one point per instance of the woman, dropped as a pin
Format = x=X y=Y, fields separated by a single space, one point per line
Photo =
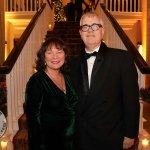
x=50 y=100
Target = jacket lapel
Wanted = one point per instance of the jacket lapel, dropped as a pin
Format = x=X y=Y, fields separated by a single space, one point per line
x=85 y=76
x=97 y=69
x=97 y=65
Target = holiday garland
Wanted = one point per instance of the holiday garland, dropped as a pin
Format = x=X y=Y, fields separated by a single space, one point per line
x=59 y=11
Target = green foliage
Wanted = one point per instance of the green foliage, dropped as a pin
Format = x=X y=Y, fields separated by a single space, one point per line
x=59 y=11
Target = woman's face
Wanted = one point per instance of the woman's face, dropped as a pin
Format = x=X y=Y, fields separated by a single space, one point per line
x=54 y=57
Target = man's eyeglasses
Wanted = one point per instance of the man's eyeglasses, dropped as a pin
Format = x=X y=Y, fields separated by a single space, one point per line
x=94 y=27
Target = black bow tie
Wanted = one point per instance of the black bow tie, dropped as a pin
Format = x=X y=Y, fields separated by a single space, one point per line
x=88 y=55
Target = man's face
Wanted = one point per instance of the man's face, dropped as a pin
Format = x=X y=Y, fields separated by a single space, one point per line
x=91 y=38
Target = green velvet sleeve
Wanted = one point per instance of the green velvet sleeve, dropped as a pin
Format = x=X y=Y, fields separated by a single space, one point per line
x=33 y=102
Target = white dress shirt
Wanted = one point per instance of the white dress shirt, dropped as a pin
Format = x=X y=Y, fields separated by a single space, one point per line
x=90 y=63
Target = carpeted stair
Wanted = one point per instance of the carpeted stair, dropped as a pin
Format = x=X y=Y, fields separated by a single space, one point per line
x=69 y=32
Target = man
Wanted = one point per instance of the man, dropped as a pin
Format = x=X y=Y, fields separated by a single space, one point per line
x=107 y=116
x=70 y=11
x=79 y=10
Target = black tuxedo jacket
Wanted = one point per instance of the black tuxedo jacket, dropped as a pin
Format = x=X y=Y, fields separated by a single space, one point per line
x=109 y=109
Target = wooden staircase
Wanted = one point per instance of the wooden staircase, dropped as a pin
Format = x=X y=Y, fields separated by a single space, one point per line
x=69 y=32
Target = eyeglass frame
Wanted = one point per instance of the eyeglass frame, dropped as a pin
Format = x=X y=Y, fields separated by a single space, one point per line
x=91 y=26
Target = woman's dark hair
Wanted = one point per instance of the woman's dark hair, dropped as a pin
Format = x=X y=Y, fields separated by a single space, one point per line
x=49 y=42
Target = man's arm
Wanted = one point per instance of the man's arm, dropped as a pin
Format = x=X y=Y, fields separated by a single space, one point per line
x=130 y=101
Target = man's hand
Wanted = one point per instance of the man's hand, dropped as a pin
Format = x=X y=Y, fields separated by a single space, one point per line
x=127 y=143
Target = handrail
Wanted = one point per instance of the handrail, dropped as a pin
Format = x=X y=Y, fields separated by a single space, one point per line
x=96 y=4
x=11 y=59
x=140 y=62
x=50 y=5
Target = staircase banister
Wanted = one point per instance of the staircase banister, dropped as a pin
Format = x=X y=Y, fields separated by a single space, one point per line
x=51 y=5
x=97 y=2
x=11 y=59
x=140 y=62
x=4 y=69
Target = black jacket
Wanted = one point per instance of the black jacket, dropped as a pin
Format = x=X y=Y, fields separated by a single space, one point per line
x=109 y=109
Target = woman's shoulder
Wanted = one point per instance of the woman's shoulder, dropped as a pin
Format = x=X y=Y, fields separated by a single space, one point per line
x=37 y=76
x=35 y=81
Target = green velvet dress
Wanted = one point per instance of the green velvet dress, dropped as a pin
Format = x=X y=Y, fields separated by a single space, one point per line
x=50 y=113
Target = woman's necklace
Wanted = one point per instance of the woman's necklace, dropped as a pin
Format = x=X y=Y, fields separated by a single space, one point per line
x=58 y=80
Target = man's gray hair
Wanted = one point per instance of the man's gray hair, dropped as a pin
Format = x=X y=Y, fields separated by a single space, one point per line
x=91 y=15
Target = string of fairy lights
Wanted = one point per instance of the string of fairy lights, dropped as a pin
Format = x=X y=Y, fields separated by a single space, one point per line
x=59 y=11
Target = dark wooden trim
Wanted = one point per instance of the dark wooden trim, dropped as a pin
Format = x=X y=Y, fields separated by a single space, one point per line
x=96 y=4
x=140 y=62
x=50 y=5
x=11 y=59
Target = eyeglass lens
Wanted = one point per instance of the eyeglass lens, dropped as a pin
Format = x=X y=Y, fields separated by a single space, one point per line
x=94 y=27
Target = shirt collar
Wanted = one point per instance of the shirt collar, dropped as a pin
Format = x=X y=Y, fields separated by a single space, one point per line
x=95 y=50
